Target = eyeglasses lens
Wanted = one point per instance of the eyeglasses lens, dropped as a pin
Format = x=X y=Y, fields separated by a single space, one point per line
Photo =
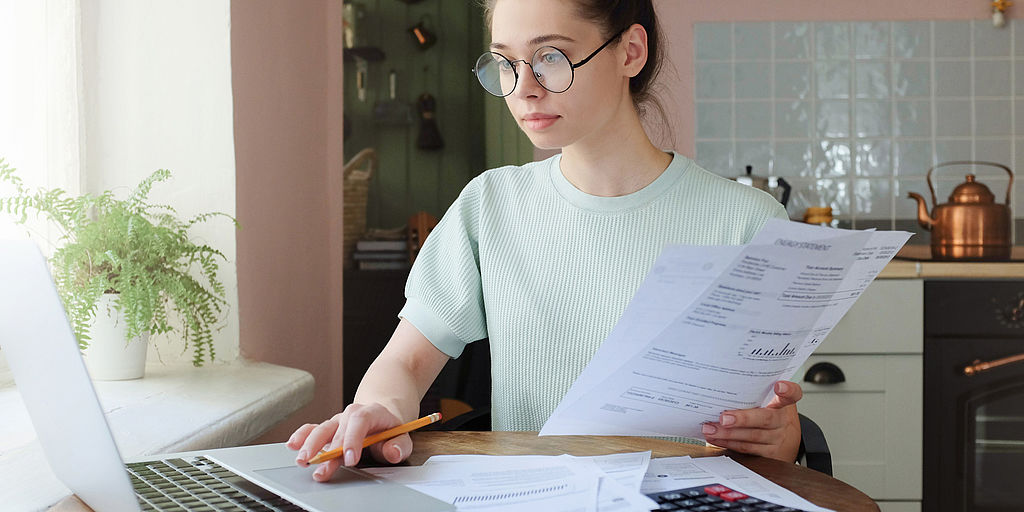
x=496 y=74
x=550 y=66
x=552 y=69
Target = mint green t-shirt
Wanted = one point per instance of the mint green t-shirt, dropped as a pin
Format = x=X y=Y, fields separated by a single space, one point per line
x=545 y=270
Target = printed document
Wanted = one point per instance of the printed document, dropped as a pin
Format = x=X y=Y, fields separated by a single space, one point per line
x=712 y=328
x=607 y=483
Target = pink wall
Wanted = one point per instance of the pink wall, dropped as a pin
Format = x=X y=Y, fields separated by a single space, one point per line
x=678 y=16
x=287 y=79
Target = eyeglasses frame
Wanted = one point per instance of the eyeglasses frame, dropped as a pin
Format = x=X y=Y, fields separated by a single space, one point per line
x=572 y=67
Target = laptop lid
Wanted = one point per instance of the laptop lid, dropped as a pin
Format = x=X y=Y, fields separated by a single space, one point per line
x=42 y=353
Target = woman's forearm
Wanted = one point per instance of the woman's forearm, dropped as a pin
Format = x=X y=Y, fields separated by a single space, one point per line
x=402 y=373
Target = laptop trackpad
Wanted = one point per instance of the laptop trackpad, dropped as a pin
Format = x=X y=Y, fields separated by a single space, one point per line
x=300 y=480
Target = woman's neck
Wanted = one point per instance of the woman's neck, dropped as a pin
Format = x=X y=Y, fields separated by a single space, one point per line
x=615 y=161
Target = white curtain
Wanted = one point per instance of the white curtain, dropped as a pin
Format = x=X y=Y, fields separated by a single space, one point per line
x=41 y=131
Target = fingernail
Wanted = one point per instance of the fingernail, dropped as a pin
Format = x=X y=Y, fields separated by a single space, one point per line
x=781 y=387
x=708 y=428
x=320 y=472
x=350 y=457
x=398 y=453
x=302 y=457
x=728 y=419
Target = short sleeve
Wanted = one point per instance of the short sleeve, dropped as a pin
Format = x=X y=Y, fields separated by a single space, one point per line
x=444 y=300
x=762 y=208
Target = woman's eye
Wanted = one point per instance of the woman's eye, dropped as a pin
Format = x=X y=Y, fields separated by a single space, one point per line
x=551 y=58
x=505 y=66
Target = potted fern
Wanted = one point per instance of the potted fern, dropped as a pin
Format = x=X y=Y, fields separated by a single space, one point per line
x=132 y=260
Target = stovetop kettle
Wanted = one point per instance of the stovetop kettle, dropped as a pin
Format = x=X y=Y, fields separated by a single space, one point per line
x=971 y=226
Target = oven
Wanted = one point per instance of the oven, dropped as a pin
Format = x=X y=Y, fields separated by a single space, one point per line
x=973 y=395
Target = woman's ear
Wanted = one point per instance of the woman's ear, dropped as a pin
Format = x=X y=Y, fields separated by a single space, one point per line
x=635 y=41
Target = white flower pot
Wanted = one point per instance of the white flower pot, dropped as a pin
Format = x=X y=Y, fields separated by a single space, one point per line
x=108 y=356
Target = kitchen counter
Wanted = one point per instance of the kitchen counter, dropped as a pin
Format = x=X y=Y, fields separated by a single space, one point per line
x=914 y=262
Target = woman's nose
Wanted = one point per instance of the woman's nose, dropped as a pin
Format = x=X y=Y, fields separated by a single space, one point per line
x=529 y=85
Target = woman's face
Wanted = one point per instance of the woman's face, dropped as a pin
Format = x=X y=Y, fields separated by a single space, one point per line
x=555 y=120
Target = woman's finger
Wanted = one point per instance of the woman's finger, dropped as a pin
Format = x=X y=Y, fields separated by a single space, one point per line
x=393 y=450
x=315 y=441
x=326 y=470
x=714 y=434
x=370 y=418
x=761 y=417
x=786 y=393
x=299 y=436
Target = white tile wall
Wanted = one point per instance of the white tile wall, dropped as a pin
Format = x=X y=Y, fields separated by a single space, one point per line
x=854 y=113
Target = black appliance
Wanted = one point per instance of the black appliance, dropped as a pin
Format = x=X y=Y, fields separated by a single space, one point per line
x=973 y=395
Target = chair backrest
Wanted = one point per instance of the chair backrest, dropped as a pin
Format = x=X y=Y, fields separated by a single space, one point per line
x=813 y=447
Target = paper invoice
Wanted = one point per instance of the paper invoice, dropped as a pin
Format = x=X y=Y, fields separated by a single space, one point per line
x=712 y=328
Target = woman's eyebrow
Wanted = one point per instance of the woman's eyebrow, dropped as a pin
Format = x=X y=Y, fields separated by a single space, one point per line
x=537 y=40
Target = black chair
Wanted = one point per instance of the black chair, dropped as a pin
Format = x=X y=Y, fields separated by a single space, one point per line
x=473 y=385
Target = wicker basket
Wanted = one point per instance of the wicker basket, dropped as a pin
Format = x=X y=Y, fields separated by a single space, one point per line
x=358 y=172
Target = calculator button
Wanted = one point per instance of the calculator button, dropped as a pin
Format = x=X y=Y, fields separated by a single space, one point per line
x=715 y=490
x=733 y=496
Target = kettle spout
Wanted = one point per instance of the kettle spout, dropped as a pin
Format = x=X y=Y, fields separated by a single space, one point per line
x=923 y=218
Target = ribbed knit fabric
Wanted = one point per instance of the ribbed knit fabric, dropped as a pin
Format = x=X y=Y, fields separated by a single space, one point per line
x=545 y=270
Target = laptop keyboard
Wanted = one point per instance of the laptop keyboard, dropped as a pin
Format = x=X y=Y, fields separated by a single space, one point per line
x=199 y=484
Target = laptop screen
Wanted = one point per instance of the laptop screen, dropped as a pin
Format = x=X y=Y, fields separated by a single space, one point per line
x=43 y=356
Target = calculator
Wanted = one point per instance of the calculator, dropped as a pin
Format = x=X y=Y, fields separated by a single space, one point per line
x=713 y=497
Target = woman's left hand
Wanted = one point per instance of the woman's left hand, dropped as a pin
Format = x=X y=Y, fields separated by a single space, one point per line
x=772 y=431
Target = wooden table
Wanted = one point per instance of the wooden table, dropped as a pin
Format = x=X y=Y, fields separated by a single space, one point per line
x=811 y=485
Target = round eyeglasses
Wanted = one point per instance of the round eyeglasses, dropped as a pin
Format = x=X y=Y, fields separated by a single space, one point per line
x=551 y=67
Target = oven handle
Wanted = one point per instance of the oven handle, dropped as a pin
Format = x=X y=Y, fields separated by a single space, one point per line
x=977 y=366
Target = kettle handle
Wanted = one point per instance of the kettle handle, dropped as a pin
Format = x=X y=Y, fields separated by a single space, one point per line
x=1009 y=186
x=786 y=188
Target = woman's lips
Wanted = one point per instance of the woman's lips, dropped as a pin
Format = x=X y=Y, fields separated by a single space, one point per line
x=538 y=122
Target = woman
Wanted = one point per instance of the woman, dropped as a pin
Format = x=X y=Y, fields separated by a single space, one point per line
x=542 y=259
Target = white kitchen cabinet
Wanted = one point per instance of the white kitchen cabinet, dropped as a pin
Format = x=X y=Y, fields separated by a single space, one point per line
x=873 y=419
x=888 y=318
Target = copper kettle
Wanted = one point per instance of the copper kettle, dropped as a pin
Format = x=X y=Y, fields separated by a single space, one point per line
x=971 y=226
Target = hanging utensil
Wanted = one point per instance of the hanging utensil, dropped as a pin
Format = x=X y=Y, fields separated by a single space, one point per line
x=392 y=112
x=421 y=35
x=361 y=71
x=429 y=136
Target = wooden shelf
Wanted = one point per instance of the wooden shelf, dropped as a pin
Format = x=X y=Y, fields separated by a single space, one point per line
x=368 y=53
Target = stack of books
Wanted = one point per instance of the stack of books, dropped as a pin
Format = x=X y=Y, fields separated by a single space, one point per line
x=381 y=255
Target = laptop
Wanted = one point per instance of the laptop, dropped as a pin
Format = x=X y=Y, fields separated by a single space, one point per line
x=43 y=355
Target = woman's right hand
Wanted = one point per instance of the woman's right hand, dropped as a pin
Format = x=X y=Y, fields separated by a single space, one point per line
x=348 y=428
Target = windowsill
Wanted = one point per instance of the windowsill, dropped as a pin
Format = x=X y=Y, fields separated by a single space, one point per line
x=174 y=408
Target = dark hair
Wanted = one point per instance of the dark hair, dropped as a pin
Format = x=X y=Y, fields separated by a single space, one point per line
x=616 y=15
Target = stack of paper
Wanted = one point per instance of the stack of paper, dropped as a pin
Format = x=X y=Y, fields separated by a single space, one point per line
x=607 y=483
x=563 y=483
